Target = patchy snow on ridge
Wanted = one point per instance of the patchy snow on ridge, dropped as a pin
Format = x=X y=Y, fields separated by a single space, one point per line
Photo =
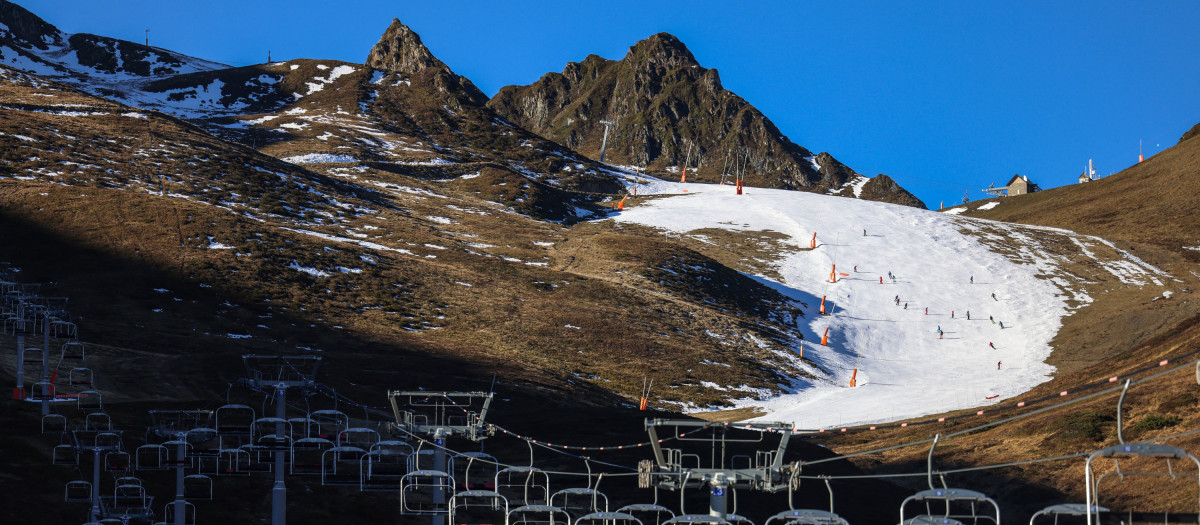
x=989 y=205
x=905 y=368
x=319 y=158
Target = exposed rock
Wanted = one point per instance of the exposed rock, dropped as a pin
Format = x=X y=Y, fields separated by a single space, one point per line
x=883 y=188
x=400 y=51
x=1190 y=133
x=664 y=103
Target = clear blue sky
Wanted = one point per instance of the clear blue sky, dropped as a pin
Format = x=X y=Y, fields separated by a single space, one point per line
x=942 y=96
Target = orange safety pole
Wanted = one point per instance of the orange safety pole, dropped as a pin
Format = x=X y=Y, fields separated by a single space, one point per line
x=822 y=305
x=684 y=177
x=739 y=187
x=813 y=242
x=621 y=205
x=825 y=338
x=833 y=274
x=854 y=378
x=801 y=349
x=642 y=405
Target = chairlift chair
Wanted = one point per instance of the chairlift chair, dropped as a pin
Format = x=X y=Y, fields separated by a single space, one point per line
x=475 y=470
x=307 y=455
x=54 y=424
x=607 y=518
x=129 y=480
x=696 y=518
x=580 y=501
x=478 y=507
x=951 y=500
x=78 y=491
x=197 y=486
x=360 y=437
x=234 y=424
x=329 y=423
x=1063 y=509
x=189 y=513
x=117 y=462
x=538 y=515
x=648 y=513
x=80 y=376
x=97 y=421
x=64 y=455
x=806 y=517
x=263 y=433
x=89 y=401
x=302 y=427
x=1131 y=450
x=42 y=391
x=151 y=457
x=33 y=355
x=426 y=459
x=735 y=519
x=384 y=465
x=524 y=486
x=418 y=490
x=239 y=462
x=73 y=350
x=341 y=466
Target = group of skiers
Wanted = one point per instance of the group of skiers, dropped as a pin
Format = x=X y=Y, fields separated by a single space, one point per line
x=941 y=334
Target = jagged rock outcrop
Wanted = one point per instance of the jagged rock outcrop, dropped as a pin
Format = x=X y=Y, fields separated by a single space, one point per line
x=663 y=103
x=1190 y=133
x=401 y=52
x=882 y=188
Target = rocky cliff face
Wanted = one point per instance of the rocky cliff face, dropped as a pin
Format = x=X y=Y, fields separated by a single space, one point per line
x=401 y=53
x=883 y=188
x=663 y=104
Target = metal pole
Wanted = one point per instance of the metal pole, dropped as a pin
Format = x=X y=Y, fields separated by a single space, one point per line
x=95 y=482
x=439 y=461
x=46 y=362
x=279 y=491
x=718 y=500
x=20 y=390
x=180 y=502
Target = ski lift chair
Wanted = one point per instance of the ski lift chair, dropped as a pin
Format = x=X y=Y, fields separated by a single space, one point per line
x=384 y=465
x=359 y=437
x=80 y=376
x=54 y=424
x=97 y=421
x=151 y=457
x=475 y=470
x=78 y=491
x=329 y=423
x=524 y=486
x=478 y=507
x=341 y=466
x=951 y=500
x=1063 y=509
x=806 y=517
x=648 y=513
x=197 y=486
x=419 y=492
x=607 y=518
x=189 y=513
x=64 y=455
x=538 y=515
x=117 y=462
x=307 y=455
x=89 y=401
x=73 y=350
x=1131 y=450
x=580 y=501
x=696 y=518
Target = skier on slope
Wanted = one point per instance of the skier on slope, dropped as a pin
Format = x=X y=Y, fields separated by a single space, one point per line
x=994 y=296
x=998 y=365
x=952 y=314
x=993 y=345
x=992 y=320
x=972 y=279
x=1001 y=325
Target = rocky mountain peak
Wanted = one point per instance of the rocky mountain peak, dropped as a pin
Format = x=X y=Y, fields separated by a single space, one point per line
x=400 y=50
x=26 y=27
x=662 y=50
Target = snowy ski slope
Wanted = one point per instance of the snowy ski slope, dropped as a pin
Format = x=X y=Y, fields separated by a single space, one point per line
x=905 y=369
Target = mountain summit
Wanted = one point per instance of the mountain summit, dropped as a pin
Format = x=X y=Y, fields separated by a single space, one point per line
x=666 y=108
x=400 y=50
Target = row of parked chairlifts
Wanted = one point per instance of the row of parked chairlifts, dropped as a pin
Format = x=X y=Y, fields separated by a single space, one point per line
x=233 y=440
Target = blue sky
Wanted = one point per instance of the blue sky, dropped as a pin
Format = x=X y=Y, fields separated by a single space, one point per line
x=942 y=96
